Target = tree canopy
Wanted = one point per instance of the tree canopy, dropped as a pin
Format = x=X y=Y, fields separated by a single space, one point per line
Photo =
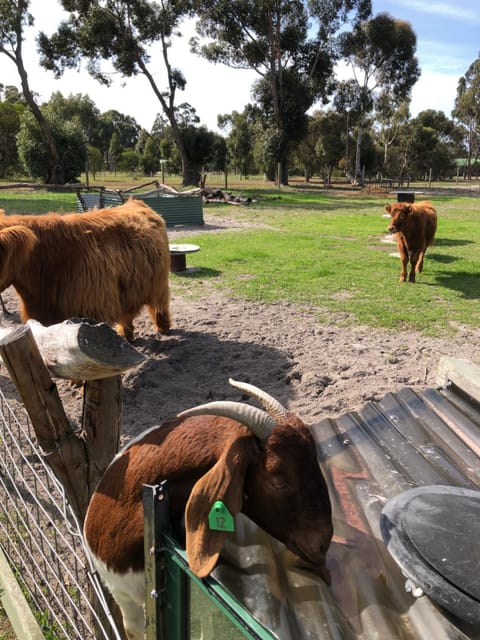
x=291 y=46
x=467 y=110
x=123 y=32
x=14 y=17
x=381 y=53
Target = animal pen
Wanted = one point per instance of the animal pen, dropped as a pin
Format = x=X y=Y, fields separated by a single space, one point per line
x=41 y=545
x=258 y=591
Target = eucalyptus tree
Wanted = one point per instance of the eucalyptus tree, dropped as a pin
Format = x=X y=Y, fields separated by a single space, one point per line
x=427 y=145
x=381 y=53
x=78 y=107
x=10 y=93
x=467 y=111
x=389 y=118
x=34 y=153
x=124 y=32
x=322 y=149
x=239 y=127
x=291 y=46
x=14 y=19
x=10 y=118
x=347 y=102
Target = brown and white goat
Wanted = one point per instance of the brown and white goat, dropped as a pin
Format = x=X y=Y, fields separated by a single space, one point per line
x=260 y=462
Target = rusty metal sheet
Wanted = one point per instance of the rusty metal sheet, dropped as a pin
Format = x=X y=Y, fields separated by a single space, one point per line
x=405 y=440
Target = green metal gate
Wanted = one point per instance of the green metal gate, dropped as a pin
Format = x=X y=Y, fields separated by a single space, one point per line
x=178 y=605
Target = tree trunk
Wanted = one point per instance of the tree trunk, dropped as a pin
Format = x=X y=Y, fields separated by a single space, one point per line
x=358 y=152
x=283 y=171
x=56 y=174
x=190 y=176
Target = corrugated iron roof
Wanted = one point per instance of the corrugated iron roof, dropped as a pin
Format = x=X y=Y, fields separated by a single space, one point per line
x=406 y=440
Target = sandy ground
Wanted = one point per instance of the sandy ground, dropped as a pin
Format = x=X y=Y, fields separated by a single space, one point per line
x=317 y=370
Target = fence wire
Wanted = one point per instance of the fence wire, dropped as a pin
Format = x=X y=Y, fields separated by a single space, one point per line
x=42 y=541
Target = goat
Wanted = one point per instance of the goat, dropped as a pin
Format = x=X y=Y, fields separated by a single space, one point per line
x=261 y=462
x=104 y=265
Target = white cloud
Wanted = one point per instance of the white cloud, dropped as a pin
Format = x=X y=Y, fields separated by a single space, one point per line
x=442 y=9
x=444 y=57
x=435 y=91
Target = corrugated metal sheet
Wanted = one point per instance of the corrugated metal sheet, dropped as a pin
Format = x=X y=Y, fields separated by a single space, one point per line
x=406 y=440
x=176 y=210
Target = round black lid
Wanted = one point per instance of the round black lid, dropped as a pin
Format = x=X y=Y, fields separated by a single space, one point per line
x=434 y=535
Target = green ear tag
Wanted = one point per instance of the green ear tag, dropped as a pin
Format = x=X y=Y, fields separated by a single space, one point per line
x=220 y=518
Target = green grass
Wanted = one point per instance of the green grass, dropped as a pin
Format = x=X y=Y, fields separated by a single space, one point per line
x=326 y=252
x=29 y=201
x=323 y=249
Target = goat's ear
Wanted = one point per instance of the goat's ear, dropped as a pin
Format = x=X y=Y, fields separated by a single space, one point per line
x=224 y=481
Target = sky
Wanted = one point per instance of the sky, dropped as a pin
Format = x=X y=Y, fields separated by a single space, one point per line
x=448 y=42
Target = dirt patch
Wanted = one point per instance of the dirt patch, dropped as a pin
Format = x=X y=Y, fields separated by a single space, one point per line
x=316 y=369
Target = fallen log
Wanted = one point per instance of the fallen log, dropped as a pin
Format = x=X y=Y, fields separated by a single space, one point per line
x=81 y=349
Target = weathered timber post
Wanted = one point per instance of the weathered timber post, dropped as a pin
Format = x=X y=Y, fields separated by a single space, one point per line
x=74 y=349
x=101 y=425
x=62 y=448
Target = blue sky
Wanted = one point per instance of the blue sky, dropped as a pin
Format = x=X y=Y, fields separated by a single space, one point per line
x=448 y=41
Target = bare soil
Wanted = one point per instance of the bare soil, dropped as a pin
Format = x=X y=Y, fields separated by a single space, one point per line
x=316 y=369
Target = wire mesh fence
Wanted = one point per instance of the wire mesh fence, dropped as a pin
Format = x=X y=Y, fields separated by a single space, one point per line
x=42 y=541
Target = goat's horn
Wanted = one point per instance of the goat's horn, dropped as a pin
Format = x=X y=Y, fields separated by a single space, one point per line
x=257 y=420
x=269 y=403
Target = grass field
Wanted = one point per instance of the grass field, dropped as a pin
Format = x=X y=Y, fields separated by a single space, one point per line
x=324 y=249
x=327 y=252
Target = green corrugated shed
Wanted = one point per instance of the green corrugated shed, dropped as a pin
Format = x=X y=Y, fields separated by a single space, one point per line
x=176 y=209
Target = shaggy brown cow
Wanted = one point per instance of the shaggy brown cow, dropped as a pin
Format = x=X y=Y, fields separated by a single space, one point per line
x=104 y=265
x=414 y=226
x=263 y=463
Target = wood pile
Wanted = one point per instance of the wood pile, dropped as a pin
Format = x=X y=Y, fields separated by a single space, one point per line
x=217 y=195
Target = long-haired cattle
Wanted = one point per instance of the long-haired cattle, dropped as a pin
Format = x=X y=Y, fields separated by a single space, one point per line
x=260 y=462
x=414 y=226
x=105 y=265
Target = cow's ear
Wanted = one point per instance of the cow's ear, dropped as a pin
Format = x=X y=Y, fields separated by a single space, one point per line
x=408 y=208
x=388 y=208
x=224 y=481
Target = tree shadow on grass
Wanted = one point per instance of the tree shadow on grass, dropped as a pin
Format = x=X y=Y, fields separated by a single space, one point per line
x=440 y=258
x=450 y=242
x=468 y=284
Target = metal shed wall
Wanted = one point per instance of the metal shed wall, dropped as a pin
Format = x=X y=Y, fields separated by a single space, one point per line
x=176 y=210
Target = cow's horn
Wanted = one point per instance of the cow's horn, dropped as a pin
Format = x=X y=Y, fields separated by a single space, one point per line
x=268 y=402
x=257 y=420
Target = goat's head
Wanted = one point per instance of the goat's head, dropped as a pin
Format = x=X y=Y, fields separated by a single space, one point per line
x=278 y=484
x=399 y=213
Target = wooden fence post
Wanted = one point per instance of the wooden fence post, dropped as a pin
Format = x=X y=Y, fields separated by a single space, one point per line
x=63 y=449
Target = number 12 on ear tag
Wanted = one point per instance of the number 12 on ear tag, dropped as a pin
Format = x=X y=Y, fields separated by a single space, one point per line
x=220 y=518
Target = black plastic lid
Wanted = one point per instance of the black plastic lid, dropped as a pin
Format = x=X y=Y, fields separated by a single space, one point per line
x=433 y=533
